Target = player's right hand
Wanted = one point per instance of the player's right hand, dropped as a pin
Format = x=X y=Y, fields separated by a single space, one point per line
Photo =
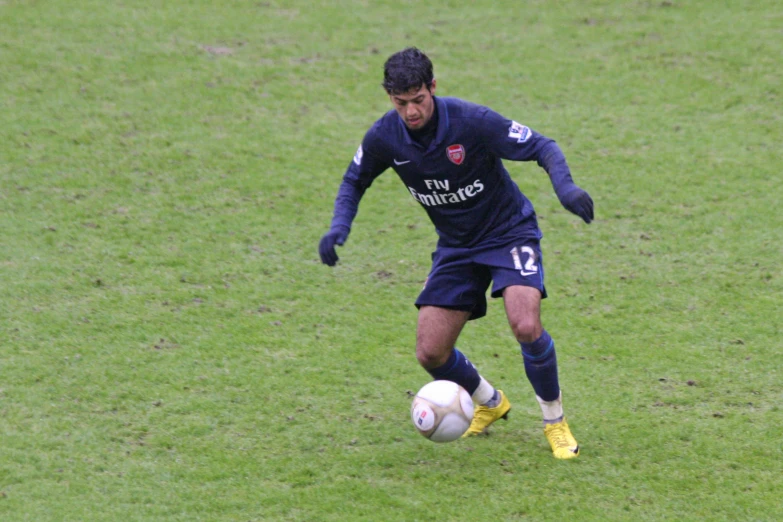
x=579 y=202
x=336 y=236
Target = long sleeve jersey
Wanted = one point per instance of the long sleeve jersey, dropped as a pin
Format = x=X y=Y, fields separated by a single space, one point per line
x=459 y=179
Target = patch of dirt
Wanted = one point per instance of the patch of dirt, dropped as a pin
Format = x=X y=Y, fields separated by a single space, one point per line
x=218 y=50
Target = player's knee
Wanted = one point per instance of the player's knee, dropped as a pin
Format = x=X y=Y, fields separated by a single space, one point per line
x=431 y=356
x=527 y=330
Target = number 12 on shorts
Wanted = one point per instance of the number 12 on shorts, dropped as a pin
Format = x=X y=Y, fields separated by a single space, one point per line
x=530 y=267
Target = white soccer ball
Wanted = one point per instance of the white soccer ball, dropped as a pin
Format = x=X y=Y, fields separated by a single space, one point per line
x=442 y=411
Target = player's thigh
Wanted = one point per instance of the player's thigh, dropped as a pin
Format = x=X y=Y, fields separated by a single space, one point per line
x=437 y=332
x=517 y=264
x=523 y=309
x=518 y=276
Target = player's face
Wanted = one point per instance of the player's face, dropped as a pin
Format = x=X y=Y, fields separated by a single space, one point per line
x=416 y=106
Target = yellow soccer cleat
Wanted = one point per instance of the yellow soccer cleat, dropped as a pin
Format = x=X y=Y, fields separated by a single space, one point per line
x=483 y=416
x=563 y=443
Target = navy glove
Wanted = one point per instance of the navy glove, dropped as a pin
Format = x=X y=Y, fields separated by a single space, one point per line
x=335 y=236
x=576 y=200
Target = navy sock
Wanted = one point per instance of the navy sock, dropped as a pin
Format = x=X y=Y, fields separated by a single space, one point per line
x=541 y=366
x=494 y=401
x=458 y=369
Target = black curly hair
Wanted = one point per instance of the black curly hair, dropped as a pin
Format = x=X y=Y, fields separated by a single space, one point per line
x=406 y=70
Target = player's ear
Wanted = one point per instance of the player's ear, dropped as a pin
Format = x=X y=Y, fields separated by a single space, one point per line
x=432 y=86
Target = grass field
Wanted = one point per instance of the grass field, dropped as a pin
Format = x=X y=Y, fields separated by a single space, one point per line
x=172 y=349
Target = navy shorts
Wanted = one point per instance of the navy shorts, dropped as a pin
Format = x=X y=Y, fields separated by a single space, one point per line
x=460 y=277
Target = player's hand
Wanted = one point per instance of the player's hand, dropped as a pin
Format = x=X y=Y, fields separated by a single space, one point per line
x=336 y=236
x=578 y=201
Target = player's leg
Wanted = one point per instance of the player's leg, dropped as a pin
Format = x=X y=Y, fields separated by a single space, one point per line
x=523 y=308
x=436 y=336
x=436 y=333
x=454 y=293
x=518 y=277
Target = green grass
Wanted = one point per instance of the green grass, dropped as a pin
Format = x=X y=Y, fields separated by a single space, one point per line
x=172 y=349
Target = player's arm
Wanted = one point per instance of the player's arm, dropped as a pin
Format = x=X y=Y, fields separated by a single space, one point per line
x=514 y=141
x=362 y=171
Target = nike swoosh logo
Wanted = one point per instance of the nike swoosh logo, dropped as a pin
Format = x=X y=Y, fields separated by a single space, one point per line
x=401 y=162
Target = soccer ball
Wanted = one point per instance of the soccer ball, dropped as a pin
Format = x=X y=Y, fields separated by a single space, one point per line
x=442 y=411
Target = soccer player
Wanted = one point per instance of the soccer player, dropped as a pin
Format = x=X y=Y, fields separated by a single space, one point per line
x=448 y=153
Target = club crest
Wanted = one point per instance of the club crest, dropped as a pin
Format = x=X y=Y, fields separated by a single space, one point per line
x=456 y=154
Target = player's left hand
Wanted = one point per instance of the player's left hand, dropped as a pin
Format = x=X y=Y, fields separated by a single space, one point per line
x=579 y=202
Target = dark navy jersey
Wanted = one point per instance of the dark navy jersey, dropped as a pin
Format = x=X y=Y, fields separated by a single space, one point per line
x=459 y=178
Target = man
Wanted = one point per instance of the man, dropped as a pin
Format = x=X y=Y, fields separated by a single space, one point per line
x=448 y=153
